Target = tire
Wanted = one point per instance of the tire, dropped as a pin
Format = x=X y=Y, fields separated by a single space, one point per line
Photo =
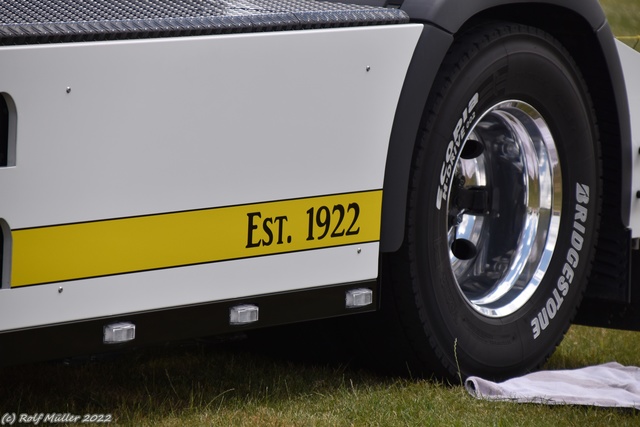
x=503 y=208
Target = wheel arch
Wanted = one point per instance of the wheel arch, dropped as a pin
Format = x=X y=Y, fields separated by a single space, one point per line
x=581 y=27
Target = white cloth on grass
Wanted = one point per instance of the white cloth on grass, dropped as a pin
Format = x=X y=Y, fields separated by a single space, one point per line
x=607 y=385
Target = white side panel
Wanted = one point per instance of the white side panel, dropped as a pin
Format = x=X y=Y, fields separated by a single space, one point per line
x=109 y=296
x=631 y=67
x=187 y=123
x=156 y=126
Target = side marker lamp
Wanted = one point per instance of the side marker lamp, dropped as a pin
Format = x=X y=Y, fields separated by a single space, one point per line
x=243 y=314
x=359 y=297
x=119 y=332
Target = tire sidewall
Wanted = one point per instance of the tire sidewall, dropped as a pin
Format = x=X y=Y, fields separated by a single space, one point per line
x=532 y=69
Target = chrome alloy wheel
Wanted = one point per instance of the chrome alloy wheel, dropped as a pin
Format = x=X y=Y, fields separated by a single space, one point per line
x=504 y=208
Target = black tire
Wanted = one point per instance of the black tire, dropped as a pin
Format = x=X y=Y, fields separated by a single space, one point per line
x=503 y=207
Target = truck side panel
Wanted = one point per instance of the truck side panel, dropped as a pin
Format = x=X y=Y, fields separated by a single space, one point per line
x=276 y=141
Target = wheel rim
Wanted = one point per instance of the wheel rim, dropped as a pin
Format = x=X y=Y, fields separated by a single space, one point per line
x=504 y=207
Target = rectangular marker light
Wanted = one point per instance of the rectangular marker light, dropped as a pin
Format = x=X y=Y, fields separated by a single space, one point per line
x=243 y=314
x=119 y=332
x=359 y=297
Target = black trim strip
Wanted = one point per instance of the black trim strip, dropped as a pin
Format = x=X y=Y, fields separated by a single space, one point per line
x=427 y=57
x=85 y=337
x=4 y=132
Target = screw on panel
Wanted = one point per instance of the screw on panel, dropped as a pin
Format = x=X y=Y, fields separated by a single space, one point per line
x=368 y=68
x=60 y=289
x=68 y=89
x=359 y=250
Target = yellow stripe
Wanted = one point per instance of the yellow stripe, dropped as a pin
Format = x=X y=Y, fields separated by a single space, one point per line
x=75 y=251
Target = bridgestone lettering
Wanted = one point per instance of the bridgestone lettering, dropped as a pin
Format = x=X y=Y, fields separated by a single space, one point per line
x=553 y=304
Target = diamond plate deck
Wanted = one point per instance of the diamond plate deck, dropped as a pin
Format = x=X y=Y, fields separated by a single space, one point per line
x=53 y=21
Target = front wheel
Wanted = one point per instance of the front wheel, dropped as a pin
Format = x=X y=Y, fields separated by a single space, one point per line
x=503 y=206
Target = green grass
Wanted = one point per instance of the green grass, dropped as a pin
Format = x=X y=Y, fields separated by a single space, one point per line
x=223 y=385
x=624 y=18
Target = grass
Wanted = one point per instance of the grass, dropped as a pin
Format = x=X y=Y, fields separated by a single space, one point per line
x=624 y=18
x=223 y=385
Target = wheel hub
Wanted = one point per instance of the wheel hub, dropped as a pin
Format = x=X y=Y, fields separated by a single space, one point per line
x=504 y=208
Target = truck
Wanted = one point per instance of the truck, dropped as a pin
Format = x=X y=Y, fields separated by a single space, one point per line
x=467 y=173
